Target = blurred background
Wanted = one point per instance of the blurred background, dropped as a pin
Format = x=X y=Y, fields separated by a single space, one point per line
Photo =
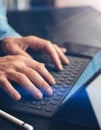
x=30 y=4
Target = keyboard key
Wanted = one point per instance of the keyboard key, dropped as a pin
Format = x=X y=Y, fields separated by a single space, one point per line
x=73 y=75
x=39 y=107
x=47 y=98
x=60 y=93
x=63 y=90
x=59 y=82
x=71 y=79
x=31 y=106
x=50 y=108
x=55 y=90
x=54 y=102
x=68 y=83
x=43 y=102
x=22 y=104
x=57 y=86
x=57 y=97
x=34 y=102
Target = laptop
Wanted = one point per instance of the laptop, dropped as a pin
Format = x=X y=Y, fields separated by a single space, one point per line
x=68 y=82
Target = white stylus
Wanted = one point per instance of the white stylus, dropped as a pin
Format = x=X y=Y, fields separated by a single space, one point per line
x=16 y=120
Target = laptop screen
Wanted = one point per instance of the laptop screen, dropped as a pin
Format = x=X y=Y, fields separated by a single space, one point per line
x=90 y=70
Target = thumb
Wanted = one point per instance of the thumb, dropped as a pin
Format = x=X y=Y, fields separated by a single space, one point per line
x=24 y=53
x=19 y=51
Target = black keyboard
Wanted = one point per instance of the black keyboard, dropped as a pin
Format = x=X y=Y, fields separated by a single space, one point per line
x=65 y=81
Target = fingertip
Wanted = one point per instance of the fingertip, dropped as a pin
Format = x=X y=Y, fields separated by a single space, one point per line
x=67 y=61
x=39 y=95
x=17 y=96
x=52 y=80
x=60 y=67
x=49 y=91
x=64 y=50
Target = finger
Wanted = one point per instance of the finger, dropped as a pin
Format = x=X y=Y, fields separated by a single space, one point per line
x=6 y=86
x=45 y=74
x=40 y=68
x=53 y=54
x=36 y=78
x=41 y=44
x=26 y=83
x=64 y=50
x=19 y=51
x=61 y=55
x=25 y=54
x=16 y=50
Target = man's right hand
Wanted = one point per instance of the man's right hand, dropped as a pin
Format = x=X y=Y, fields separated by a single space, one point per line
x=30 y=74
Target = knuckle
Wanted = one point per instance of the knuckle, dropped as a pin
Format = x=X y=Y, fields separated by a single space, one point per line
x=31 y=73
x=48 y=44
x=14 y=66
x=40 y=66
x=20 y=76
x=9 y=58
x=18 y=66
x=7 y=40
x=55 y=45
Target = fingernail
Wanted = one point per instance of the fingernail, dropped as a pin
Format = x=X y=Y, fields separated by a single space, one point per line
x=17 y=97
x=60 y=67
x=39 y=95
x=49 y=91
x=65 y=50
x=67 y=61
x=53 y=80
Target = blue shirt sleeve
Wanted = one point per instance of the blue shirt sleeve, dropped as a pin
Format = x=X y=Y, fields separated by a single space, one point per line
x=5 y=29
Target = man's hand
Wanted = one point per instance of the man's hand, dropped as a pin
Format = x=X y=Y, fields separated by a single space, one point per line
x=30 y=74
x=15 y=46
